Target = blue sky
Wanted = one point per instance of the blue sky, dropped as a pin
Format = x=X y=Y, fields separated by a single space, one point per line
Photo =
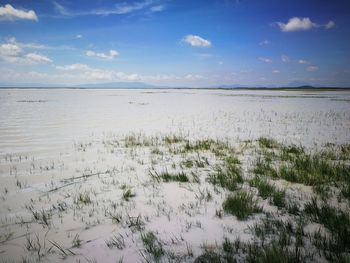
x=176 y=42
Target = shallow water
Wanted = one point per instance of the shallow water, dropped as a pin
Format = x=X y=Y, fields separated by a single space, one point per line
x=44 y=121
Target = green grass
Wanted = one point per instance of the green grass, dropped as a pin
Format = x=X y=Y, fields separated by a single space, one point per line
x=169 y=177
x=228 y=176
x=264 y=187
x=128 y=194
x=336 y=221
x=152 y=246
x=83 y=198
x=172 y=139
x=318 y=169
x=242 y=205
x=269 y=143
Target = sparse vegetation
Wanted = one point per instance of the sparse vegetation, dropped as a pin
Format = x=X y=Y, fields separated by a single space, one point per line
x=152 y=246
x=241 y=204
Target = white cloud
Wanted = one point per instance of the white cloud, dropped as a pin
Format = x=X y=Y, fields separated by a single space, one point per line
x=297 y=24
x=78 y=36
x=302 y=61
x=276 y=71
x=302 y=24
x=76 y=66
x=9 y=49
x=220 y=63
x=60 y=8
x=157 y=8
x=266 y=60
x=110 y=55
x=265 y=43
x=125 y=8
x=330 y=24
x=8 y=12
x=196 y=41
x=192 y=77
x=13 y=40
x=121 y=8
x=12 y=52
x=312 y=68
x=285 y=59
x=37 y=58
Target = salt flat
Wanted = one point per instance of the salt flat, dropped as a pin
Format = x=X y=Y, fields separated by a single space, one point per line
x=144 y=175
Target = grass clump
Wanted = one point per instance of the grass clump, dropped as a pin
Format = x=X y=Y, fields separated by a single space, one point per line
x=338 y=224
x=172 y=139
x=116 y=241
x=278 y=198
x=264 y=187
x=169 y=177
x=152 y=246
x=83 y=198
x=272 y=254
x=269 y=143
x=128 y=194
x=267 y=190
x=228 y=176
x=241 y=205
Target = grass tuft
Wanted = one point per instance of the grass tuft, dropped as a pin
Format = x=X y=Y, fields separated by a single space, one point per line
x=242 y=205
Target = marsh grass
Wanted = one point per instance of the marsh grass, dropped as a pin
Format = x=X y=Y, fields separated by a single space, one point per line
x=228 y=176
x=318 y=169
x=83 y=198
x=336 y=221
x=152 y=246
x=242 y=205
x=169 y=177
x=128 y=194
x=269 y=143
x=42 y=217
x=264 y=187
x=116 y=241
x=267 y=190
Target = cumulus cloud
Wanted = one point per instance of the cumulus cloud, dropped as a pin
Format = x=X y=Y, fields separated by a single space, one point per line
x=297 y=24
x=312 y=68
x=302 y=24
x=266 y=60
x=11 y=52
x=110 y=55
x=9 y=49
x=8 y=12
x=196 y=41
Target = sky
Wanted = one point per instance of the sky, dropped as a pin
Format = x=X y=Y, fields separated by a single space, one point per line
x=176 y=42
